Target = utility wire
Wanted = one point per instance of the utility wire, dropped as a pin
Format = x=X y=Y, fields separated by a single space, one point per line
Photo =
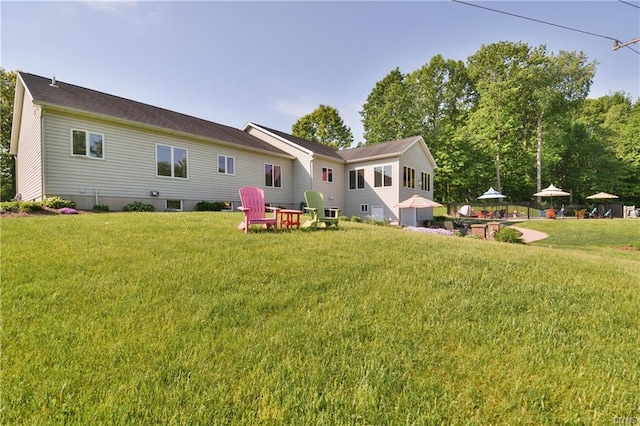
x=630 y=4
x=616 y=41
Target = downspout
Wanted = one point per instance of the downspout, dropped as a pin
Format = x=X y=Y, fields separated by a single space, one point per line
x=42 y=156
x=311 y=172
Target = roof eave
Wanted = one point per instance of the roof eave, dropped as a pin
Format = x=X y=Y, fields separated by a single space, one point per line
x=374 y=157
x=18 y=101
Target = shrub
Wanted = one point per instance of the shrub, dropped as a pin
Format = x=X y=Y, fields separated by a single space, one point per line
x=138 y=206
x=29 y=206
x=58 y=203
x=356 y=219
x=101 y=208
x=508 y=235
x=206 y=206
x=9 y=206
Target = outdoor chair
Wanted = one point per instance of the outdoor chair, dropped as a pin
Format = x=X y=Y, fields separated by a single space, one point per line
x=594 y=212
x=580 y=213
x=253 y=207
x=608 y=214
x=318 y=212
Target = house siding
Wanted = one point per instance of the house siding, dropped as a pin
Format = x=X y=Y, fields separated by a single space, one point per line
x=128 y=171
x=333 y=192
x=29 y=167
x=415 y=157
x=386 y=197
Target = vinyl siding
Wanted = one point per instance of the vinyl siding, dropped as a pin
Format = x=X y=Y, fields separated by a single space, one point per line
x=370 y=195
x=388 y=197
x=128 y=170
x=415 y=157
x=334 y=192
x=29 y=160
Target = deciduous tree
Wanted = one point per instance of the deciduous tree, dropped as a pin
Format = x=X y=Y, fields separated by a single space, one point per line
x=324 y=125
x=7 y=164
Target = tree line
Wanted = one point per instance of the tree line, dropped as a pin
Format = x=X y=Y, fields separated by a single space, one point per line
x=512 y=116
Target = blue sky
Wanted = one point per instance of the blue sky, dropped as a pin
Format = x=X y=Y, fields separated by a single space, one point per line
x=273 y=62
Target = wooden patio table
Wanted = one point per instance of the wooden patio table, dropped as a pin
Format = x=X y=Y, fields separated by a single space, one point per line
x=289 y=218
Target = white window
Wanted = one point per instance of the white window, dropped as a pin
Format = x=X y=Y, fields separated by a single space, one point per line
x=171 y=161
x=226 y=165
x=364 y=208
x=382 y=176
x=356 y=179
x=87 y=144
x=327 y=174
x=272 y=175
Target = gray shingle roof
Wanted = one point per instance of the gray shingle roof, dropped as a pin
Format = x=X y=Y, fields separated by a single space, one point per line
x=87 y=100
x=315 y=147
x=378 y=150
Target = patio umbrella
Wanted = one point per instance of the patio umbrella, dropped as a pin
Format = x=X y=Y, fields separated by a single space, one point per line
x=491 y=194
x=551 y=191
x=601 y=196
x=416 y=202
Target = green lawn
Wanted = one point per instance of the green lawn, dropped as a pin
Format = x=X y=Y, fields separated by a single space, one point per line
x=179 y=318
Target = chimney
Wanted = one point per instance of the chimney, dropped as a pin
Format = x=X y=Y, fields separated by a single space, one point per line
x=53 y=82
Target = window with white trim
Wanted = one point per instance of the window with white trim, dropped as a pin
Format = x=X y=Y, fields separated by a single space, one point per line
x=356 y=179
x=226 y=165
x=408 y=177
x=87 y=144
x=171 y=161
x=382 y=176
x=364 y=208
x=327 y=174
x=272 y=175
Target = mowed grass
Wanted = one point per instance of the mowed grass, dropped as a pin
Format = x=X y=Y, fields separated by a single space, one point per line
x=179 y=318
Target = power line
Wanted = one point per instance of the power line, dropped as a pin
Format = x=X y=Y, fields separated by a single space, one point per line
x=630 y=4
x=616 y=42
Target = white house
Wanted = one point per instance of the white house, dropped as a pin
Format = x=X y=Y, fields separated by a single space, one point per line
x=95 y=148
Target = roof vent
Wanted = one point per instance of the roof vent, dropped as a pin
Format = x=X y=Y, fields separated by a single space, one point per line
x=53 y=82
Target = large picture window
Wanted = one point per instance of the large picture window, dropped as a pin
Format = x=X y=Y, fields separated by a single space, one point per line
x=356 y=179
x=408 y=177
x=171 y=161
x=272 y=175
x=382 y=176
x=87 y=144
x=226 y=165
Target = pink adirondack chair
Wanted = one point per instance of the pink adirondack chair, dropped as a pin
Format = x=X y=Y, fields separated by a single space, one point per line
x=254 y=209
